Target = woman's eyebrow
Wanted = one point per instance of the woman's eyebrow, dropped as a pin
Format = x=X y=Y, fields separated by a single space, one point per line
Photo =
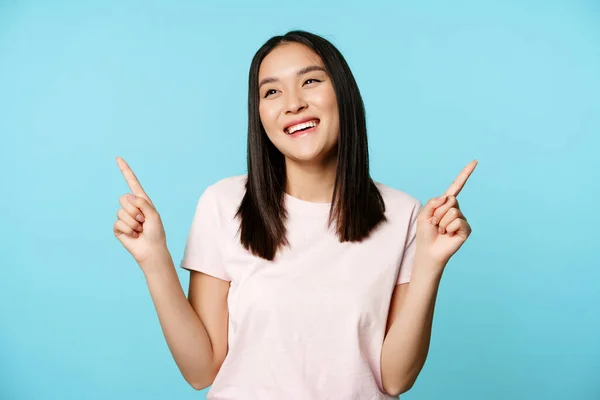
x=311 y=68
x=305 y=70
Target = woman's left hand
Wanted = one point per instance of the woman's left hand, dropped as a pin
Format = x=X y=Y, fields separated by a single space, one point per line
x=442 y=228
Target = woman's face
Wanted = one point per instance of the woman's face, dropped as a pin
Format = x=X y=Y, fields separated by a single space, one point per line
x=298 y=107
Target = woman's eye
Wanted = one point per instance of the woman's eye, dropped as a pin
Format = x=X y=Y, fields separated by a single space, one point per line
x=309 y=81
x=270 y=92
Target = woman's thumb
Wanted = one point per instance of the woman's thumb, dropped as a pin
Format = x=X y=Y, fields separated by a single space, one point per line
x=432 y=205
x=142 y=203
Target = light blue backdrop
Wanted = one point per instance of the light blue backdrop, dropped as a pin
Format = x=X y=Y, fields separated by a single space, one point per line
x=514 y=84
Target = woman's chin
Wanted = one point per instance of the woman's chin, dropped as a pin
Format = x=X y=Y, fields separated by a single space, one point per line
x=314 y=156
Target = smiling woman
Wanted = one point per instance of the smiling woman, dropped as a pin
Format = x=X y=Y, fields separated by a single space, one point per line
x=300 y=269
x=299 y=77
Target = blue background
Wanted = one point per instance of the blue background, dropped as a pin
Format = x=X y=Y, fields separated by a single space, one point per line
x=514 y=84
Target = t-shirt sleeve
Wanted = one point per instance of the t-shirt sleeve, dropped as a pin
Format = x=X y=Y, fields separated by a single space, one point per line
x=408 y=256
x=203 y=250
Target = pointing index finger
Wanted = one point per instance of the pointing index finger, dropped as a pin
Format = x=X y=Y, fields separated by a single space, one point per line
x=130 y=178
x=461 y=179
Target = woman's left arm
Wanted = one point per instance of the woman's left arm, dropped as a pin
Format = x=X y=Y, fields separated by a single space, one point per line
x=442 y=229
x=406 y=343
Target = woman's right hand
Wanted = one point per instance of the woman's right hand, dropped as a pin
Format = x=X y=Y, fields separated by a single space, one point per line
x=138 y=226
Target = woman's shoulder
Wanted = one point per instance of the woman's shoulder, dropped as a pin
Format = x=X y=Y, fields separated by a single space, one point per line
x=225 y=192
x=221 y=198
x=231 y=186
x=397 y=200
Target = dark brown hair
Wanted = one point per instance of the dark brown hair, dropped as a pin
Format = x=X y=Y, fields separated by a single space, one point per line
x=357 y=205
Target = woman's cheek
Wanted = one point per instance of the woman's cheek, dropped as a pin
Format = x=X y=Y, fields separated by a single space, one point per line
x=266 y=117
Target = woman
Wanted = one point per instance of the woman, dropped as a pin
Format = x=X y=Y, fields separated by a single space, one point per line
x=299 y=270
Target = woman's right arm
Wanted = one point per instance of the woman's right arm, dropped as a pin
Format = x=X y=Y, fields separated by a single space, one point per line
x=195 y=329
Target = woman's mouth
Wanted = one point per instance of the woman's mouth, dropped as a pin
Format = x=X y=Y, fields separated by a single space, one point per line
x=303 y=127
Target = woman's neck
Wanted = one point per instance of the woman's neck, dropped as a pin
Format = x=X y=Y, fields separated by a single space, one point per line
x=312 y=183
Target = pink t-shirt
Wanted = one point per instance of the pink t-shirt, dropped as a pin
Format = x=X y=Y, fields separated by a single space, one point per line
x=310 y=324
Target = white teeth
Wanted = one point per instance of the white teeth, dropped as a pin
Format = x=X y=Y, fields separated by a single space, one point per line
x=303 y=125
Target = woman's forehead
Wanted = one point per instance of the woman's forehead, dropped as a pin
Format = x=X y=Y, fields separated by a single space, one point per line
x=287 y=59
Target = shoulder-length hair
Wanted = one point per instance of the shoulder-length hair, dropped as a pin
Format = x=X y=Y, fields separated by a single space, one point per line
x=356 y=205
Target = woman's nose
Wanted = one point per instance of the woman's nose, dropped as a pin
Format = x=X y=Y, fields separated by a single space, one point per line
x=294 y=103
